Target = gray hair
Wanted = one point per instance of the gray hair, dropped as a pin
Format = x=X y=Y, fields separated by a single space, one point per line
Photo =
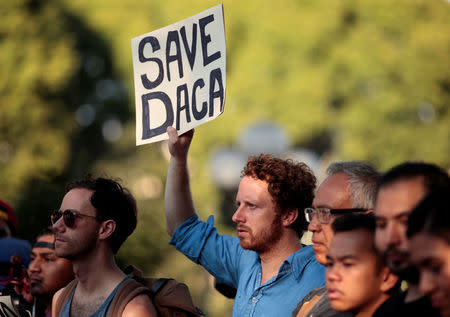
x=363 y=179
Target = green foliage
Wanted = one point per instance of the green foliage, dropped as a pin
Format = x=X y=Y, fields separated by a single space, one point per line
x=47 y=53
x=367 y=80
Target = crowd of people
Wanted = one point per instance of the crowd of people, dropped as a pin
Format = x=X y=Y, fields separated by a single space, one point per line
x=380 y=242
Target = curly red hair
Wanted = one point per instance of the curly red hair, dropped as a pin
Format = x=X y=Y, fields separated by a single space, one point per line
x=291 y=184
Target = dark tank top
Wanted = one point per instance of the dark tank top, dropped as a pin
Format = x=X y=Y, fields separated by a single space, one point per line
x=101 y=311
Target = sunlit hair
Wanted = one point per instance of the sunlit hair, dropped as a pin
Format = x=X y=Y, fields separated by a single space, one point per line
x=363 y=179
x=291 y=184
x=111 y=201
x=434 y=177
x=431 y=216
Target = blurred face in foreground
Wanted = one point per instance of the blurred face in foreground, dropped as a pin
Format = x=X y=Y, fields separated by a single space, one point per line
x=258 y=226
x=356 y=279
x=47 y=272
x=431 y=255
x=394 y=204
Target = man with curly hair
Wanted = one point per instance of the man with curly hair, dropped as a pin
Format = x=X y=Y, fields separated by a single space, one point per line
x=266 y=263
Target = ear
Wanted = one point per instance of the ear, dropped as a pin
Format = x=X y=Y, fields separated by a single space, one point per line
x=289 y=217
x=106 y=229
x=388 y=280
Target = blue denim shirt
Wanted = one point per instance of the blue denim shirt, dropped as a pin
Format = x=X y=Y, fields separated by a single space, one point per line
x=225 y=259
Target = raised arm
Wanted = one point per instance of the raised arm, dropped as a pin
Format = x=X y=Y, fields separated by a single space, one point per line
x=178 y=204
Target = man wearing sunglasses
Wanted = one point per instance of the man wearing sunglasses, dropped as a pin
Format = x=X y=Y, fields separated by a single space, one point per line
x=95 y=218
x=349 y=188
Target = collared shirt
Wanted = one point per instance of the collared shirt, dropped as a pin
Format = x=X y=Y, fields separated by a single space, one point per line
x=225 y=259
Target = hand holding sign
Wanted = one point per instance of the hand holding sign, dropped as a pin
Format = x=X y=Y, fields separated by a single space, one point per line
x=179 y=75
x=179 y=145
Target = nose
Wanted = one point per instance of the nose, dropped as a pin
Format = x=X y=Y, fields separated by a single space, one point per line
x=393 y=235
x=238 y=215
x=314 y=225
x=58 y=226
x=34 y=266
x=332 y=274
x=427 y=283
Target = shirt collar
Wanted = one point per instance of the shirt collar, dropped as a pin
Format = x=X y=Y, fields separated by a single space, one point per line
x=303 y=256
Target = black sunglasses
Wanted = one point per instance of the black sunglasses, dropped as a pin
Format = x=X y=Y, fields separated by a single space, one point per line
x=68 y=215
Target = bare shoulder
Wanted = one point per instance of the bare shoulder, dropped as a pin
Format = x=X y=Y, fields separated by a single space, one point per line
x=141 y=305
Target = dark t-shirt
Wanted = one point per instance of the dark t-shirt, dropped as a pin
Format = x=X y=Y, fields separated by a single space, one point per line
x=396 y=306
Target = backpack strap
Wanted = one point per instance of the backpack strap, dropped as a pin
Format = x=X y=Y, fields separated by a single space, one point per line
x=157 y=285
x=64 y=296
x=128 y=290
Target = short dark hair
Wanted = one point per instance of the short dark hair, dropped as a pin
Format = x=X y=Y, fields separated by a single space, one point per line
x=47 y=231
x=431 y=216
x=350 y=222
x=291 y=184
x=434 y=177
x=111 y=201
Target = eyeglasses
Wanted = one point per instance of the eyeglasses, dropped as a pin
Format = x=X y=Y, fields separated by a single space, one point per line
x=68 y=215
x=324 y=214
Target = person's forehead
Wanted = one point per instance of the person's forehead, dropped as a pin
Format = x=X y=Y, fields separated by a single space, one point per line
x=428 y=247
x=399 y=197
x=334 y=192
x=48 y=238
x=252 y=187
x=78 y=199
x=357 y=243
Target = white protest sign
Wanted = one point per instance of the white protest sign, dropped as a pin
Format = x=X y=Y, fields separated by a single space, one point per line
x=179 y=75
